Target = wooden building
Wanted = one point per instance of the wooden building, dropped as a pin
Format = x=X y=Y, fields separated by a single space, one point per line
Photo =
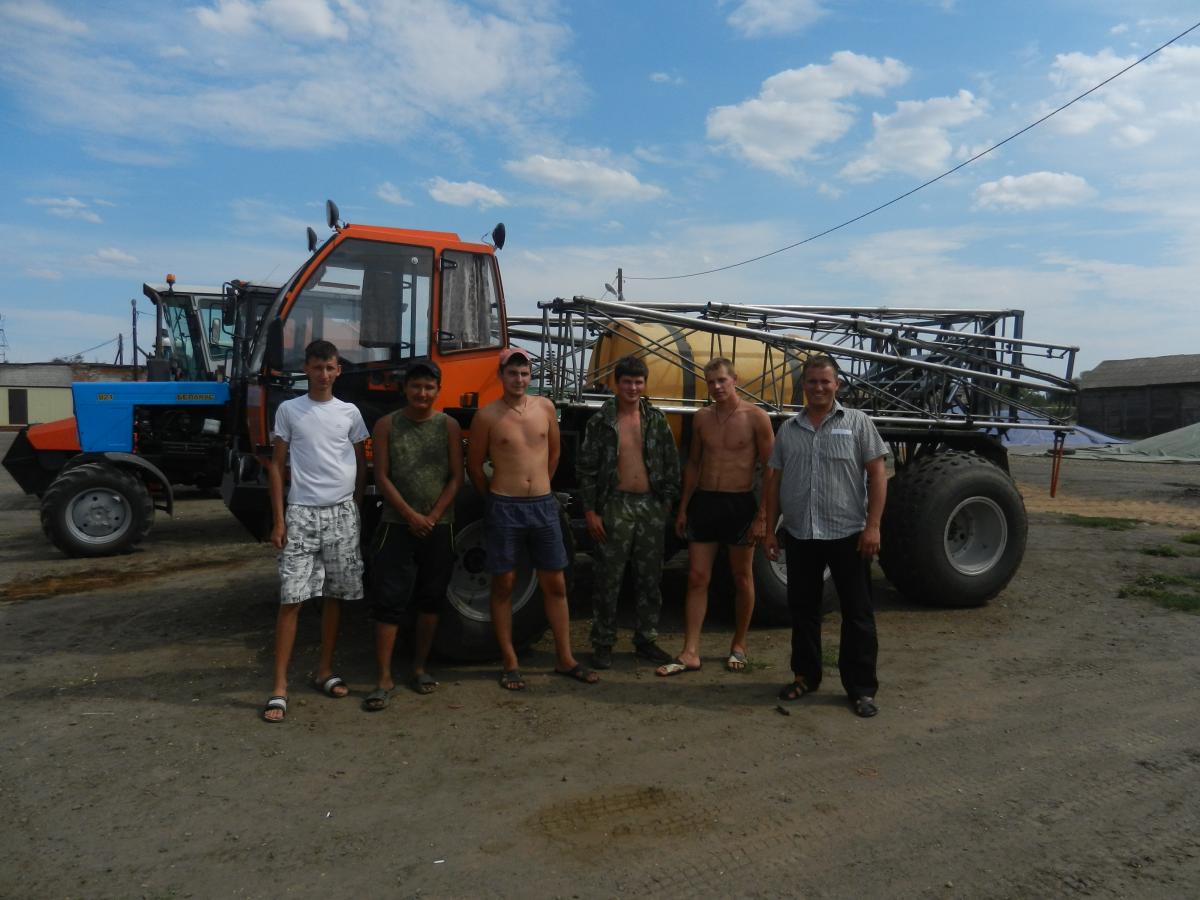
x=1137 y=398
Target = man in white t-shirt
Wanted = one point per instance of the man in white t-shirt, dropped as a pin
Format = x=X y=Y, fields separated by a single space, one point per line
x=318 y=532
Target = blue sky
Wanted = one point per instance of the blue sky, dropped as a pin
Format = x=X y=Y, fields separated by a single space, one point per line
x=201 y=137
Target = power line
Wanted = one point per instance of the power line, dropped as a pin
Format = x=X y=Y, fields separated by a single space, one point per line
x=97 y=347
x=919 y=187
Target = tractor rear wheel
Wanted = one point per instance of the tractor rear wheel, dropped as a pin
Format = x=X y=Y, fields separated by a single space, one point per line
x=96 y=509
x=953 y=530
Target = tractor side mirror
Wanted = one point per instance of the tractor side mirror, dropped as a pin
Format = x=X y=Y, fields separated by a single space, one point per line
x=331 y=214
x=498 y=235
x=312 y=240
x=228 y=306
x=274 y=355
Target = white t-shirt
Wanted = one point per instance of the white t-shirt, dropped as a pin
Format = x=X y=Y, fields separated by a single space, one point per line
x=321 y=438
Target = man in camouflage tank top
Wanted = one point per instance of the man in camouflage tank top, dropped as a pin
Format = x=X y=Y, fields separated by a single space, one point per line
x=418 y=471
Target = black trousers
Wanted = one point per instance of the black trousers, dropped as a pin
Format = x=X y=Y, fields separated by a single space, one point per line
x=806 y=562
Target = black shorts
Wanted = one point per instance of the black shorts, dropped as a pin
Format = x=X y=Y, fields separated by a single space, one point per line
x=523 y=530
x=721 y=517
x=408 y=571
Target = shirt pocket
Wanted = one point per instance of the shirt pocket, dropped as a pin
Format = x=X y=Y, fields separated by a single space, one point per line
x=839 y=446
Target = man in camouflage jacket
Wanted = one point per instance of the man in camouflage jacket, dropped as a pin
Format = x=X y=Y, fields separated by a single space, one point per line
x=628 y=470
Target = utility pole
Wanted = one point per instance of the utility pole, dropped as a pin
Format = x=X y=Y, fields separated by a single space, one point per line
x=133 y=306
x=620 y=286
x=119 y=360
x=3 y=342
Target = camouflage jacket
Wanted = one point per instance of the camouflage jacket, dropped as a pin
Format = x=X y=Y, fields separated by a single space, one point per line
x=597 y=462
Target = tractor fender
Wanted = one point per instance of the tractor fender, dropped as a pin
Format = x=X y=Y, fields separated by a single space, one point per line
x=167 y=500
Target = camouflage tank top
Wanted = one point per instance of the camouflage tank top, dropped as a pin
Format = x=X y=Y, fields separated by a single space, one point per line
x=419 y=466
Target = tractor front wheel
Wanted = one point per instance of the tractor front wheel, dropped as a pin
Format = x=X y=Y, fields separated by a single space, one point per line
x=96 y=509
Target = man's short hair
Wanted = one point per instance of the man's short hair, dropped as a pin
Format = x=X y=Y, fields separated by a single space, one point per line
x=719 y=362
x=423 y=368
x=320 y=349
x=630 y=367
x=819 y=361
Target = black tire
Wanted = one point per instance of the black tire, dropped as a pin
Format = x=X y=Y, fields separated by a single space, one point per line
x=953 y=530
x=771 y=608
x=96 y=509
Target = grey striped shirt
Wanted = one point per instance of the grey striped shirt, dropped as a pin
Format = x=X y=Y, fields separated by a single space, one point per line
x=823 y=491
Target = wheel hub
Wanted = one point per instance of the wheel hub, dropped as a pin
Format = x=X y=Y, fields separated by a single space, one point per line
x=976 y=535
x=96 y=515
x=470 y=589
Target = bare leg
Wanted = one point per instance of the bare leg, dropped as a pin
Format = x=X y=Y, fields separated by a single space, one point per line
x=554 y=596
x=331 y=617
x=385 y=643
x=427 y=624
x=285 y=640
x=700 y=563
x=741 y=562
x=501 y=603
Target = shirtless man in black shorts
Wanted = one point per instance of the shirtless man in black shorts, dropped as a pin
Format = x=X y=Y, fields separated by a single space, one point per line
x=718 y=506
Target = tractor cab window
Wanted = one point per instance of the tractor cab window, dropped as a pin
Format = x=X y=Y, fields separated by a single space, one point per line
x=217 y=337
x=181 y=344
x=470 y=314
x=371 y=299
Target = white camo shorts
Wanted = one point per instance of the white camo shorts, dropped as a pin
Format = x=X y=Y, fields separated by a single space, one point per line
x=322 y=557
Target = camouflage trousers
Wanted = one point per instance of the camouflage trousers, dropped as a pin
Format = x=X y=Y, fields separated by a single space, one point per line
x=634 y=525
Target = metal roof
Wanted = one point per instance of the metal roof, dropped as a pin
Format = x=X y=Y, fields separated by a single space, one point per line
x=1183 y=368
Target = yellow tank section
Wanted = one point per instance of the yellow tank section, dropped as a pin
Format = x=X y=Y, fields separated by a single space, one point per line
x=676 y=358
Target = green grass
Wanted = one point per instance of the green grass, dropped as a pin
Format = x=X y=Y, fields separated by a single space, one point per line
x=829 y=656
x=1109 y=523
x=1192 y=537
x=1179 y=592
x=1162 y=550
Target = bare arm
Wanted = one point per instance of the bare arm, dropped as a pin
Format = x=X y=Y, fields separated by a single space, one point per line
x=477 y=448
x=764 y=441
x=360 y=471
x=868 y=543
x=455 y=458
x=553 y=441
x=691 y=474
x=279 y=455
x=770 y=490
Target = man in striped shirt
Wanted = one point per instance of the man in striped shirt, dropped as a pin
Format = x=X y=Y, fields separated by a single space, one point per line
x=827 y=476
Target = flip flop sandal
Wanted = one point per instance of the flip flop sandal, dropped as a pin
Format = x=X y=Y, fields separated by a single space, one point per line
x=736 y=662
x=579 y=673
x=328 y=686
x=376 y=700
x=792 y=691
x=423 y=683
x=512 y=680
x=675 y=667
x=276 y=702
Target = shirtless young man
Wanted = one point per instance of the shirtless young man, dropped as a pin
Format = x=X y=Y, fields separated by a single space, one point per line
x=718 y=506
x=519 y=433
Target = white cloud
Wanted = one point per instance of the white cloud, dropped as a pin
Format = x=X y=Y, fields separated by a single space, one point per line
x=465 y=193
x=228 y=16
x=1155 y=97
x=389 y=193
x=1037 y=190
x=914 y=140
x=451 y=68
x=44 y=274
x=583 y=178
x=665 y=78
x=306 y=19
x=43 y=16
x=1118 y=29
x=112 y=257
x=66 y=208
x=799 y=110
x=756 y=18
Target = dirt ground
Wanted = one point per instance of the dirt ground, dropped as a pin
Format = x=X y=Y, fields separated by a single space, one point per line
x=1045 y=745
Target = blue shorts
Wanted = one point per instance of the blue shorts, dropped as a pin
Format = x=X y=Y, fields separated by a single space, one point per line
x=523 y=530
